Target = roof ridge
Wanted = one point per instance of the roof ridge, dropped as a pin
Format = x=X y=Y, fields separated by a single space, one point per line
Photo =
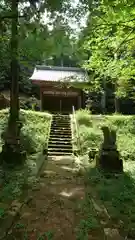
x=59 y=68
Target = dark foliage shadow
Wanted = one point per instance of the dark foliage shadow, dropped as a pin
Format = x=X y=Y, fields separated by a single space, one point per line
x=116 y=192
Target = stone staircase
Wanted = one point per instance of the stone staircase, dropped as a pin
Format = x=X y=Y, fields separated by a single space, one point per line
x=60 y=136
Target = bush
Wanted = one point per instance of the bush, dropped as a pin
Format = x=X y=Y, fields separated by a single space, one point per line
x=83 y=117
x=26 y=101
x=29 y=103
x=89 y=138
x=91 y=134
x=35 y=130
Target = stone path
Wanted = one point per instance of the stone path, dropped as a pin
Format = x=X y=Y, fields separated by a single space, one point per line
x=53 y=208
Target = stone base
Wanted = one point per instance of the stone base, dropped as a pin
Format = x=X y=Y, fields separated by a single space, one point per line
x=12 y=155
x=109 y=161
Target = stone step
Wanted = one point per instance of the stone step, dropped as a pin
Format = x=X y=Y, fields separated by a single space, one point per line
x=61 y=126
x=61 y=117
x=60 y=133
x=59 y=142
x=62 y=142
x=51 y=154
x=60 y=130
x=59 y=138
x=60 y=146
x=61 y=120
x=57 y=161
x=52 y=149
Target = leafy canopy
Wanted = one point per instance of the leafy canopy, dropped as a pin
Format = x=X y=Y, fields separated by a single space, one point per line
x=109 y=40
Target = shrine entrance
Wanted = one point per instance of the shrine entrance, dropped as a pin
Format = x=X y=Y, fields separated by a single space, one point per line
x=59 y=104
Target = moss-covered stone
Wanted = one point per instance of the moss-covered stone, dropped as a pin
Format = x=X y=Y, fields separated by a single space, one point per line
x=108 y=158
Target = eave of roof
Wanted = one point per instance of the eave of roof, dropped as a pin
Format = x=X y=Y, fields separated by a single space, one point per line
x=59 y=68
x=56 y=74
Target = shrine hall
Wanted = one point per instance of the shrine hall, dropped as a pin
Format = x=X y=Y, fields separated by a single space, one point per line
x=61 y=88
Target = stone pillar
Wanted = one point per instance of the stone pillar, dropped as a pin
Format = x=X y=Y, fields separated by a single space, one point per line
x=108 y=158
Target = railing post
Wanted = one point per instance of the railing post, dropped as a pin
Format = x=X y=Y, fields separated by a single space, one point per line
x=76 y=128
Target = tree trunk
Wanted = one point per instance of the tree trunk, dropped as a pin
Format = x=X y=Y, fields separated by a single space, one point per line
x=103 y=102
x=116 y=101
x=11 y=152
x=61 y=61
x=103 y=97
x=14 y=92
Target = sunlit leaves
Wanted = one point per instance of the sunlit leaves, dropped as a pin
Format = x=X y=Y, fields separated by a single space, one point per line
x=110 y=37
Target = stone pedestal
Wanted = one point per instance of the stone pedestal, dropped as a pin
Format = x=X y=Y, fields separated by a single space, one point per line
x=13 y=152
x=12 y=155
x=108 y=158
x=109 y=161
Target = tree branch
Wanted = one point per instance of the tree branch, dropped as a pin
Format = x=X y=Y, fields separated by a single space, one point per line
x=120 y=23
x=11 y=17
x=123 y=41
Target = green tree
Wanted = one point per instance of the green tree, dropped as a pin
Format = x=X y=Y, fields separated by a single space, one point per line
x=109 y=42
x=11 y=151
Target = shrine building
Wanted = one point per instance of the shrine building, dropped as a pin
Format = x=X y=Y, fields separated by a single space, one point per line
x=61 y=88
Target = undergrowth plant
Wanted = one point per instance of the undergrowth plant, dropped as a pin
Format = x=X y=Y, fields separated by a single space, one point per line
x=115 y=193
x=35 y=130
x=34 y=137
x=89 y=127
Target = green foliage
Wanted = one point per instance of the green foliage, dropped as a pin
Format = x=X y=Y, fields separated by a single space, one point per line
x=91 y=134
x=83 y=118
x=90 y=222
x=34 y=134
x=2 y=212
x=117 y=195
x=49 y=235
x=34 y=137
x=109 y=42
x=35 y=130
x=39 y=41
x=86 y=226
